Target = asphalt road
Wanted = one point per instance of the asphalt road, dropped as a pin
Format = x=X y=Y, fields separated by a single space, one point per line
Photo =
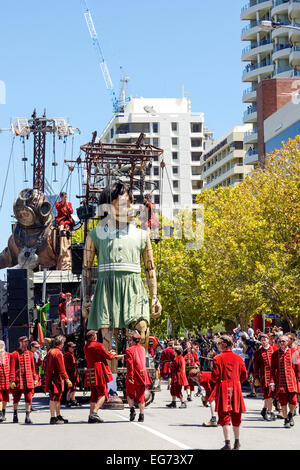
x=163 y=429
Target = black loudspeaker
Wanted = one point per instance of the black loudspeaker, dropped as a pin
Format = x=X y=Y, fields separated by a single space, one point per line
x=20 y=297
x=13 y=334
x=77 y=258
x=53 y=310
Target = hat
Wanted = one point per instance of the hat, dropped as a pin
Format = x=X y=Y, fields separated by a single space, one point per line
x=23 y=338
x=91 y=333
x=35 y=344
x=70 y=344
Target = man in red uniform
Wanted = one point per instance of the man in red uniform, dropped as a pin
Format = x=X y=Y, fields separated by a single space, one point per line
x=71 y=368
x=285 y=374
x=37 y=355
x=55 y=377
x=137 y=377
x=4 y=380
x=166 y=358
x=62 y=310
x=228 y=372
x=23 y=378
x=98 y=373
x=178 y=378
x=64 y=209
x=262 y=375
x=149 y=217
x=191 y=360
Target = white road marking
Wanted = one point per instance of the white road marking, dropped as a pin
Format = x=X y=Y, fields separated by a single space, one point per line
x=157 y=433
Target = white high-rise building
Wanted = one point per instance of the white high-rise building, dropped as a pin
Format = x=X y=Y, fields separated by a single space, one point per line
x=170 y=125
x=223 y=164
x=274 y=54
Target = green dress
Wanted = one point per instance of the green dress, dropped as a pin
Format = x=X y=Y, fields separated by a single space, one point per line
x=120 y=297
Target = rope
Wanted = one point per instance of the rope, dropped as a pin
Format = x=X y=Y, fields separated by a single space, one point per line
x=7 y=171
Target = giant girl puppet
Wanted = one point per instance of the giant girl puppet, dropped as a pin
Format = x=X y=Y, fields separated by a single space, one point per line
x=120 y=299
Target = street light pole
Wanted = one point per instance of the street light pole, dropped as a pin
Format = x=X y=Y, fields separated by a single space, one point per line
x=269 y=25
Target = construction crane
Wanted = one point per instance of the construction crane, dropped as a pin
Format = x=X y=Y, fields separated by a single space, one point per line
x=118 y=104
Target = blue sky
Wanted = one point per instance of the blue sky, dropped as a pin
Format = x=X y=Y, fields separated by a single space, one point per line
x=48 y=61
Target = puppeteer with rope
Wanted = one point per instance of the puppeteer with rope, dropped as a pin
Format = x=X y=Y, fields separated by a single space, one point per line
x=120 y=299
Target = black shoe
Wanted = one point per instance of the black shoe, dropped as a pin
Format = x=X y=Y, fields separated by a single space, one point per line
x=54 y=420
x=15 y=420
x=28 y=420
x=62 y=420
x=171 y=405
x=32 y=409
x=268 y=416
x=132 y=414
x=227 y=446
x=287 y=423
x=264 y=412
x=68 y=404
x=237 y=445
x=74 y=403
x=273 y=416
x=183 y=405
x=189 y=398
x=95 y=418
x=291 y=419
x=251 y=395
x=141 y=418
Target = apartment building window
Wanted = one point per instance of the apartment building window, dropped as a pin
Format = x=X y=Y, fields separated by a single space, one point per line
x=148 y=171
x=175 y=198
x=148 y=186
x=156 y=199
x=174 y=141
x=196 y=156
x=111 y=132
x=175 y=170
x=174 y=126
x=194 y=198
x=196 y=142
x=156 y=171
x=155 y=141
x=196 y=127
x=174 y=155
x=197 y=184
x=155 y=127
x=175 y=184
x=196 y=170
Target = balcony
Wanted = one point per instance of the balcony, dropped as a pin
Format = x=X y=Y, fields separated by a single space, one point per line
x=295 y=56
x=282 y=31
x=263 y=47
x=283 y=72
x=232 y=155
x=281 y=51
x=280 y=7
x=249 y=10
x=249 y=95
x=251 y=137
x=263 y=69
x=294 y=9
x=294 y=35
x=234 y=170
x=251 y=157
x=250 y=115
x=250 y=31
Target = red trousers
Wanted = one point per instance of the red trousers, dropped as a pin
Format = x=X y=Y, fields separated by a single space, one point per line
x=226 y=417
x=97 y=392
x=4 y=396
x=136 y=392
x=268 y=393
x=28 y=394
x=287 y=398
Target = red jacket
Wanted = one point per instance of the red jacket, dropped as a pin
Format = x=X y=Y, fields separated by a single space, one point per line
x=64 y=214
x=191 y=359
x=5 y=370
x=285 y=372
x=62 y=311
x=98 y=371
x=178 y=372
x=228 y=372
x=23 y=369
x=262 y=366
x=135 y=358
x=55 y=371
x=167 y=354
x=71 y=367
